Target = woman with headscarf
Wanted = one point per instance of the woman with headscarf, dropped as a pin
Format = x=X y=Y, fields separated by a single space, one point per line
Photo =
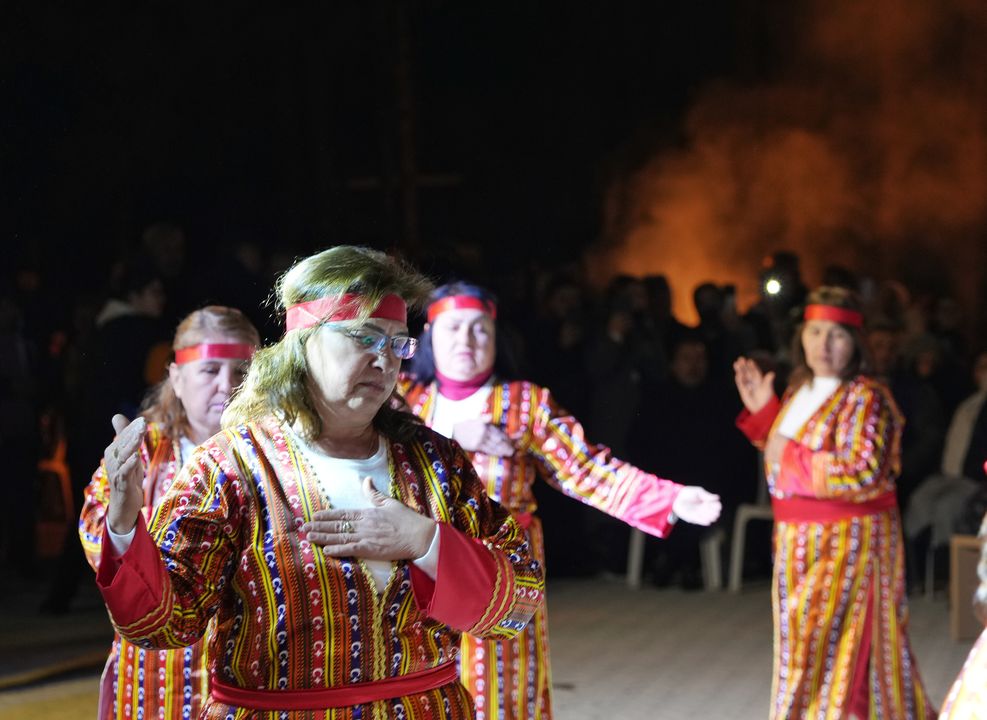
x=212 y=348
x=340 y=545
x=831 y=454
x=515 y=432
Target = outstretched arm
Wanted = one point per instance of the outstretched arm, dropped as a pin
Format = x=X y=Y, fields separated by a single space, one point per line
x=593 y=475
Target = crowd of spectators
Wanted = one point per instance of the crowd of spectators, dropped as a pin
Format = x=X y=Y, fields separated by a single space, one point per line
x=658 y=391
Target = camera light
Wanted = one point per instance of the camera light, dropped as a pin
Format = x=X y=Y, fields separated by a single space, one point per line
x=772 y=286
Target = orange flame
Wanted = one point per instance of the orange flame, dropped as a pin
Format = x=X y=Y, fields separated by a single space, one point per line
x=868 y=152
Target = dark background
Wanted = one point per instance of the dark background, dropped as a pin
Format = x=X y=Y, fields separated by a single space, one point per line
x=512 y=132
x=303 y=127
x=684 y=137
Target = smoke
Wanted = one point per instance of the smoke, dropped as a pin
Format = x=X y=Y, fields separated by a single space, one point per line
x=867 y=149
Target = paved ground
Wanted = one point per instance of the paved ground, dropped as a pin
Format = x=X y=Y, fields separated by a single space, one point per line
x=616 y=652
x=671 y=654
x=50 y=665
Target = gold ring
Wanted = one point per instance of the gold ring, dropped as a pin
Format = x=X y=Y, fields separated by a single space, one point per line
x=347 y=526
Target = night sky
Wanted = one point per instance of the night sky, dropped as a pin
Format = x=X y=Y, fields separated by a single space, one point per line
x=286 y=127
x=689 y=138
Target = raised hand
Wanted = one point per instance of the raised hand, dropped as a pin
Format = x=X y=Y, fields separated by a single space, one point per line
x=387 y=530
x=697 y=506
x=125 y=471
x=756 y=388
x=480 y=436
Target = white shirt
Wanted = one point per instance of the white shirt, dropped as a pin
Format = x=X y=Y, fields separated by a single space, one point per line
x=185 y=449
x=805 y=402
x=341 y=482
x=448 y=413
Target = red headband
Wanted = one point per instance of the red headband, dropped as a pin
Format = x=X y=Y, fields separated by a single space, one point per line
x=342 y=307
x=460 y=302
x=208 y=351
x=834 y=314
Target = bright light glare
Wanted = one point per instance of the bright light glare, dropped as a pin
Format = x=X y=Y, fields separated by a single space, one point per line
x=772 y=287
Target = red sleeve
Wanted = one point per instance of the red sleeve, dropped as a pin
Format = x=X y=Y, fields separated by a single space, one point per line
x=757 y=425
x=135 y=585
x=472 y=588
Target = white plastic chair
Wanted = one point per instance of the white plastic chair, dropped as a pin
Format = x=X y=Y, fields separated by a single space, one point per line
x=710 y=551
x=761 y=510
x=635 y=558
x=709 y=556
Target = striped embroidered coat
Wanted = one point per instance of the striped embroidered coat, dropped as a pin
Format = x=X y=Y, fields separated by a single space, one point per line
x=838 y=588
x=290 y=618
x=166 y=684
x=967 y=699
x=511 y=679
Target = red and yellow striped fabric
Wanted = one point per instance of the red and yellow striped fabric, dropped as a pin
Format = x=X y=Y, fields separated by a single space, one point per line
x=287 y=616
x=840 y=610
x=511 y=680
x=165 y=684
x=967 y=698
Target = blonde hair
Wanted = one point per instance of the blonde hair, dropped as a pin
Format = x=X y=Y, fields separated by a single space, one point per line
x=161 y=404
x=278 y=378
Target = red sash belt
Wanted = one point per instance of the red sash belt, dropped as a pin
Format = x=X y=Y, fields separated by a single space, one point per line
x=803 y=509
x=335 y=697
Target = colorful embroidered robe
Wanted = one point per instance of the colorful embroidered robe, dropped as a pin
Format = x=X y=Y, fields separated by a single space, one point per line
x=225 y=543
x=967 y=698
x=838 y=588
x=511 y=679
x=167 y=684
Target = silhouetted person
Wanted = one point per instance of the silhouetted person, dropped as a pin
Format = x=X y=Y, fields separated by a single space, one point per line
x=925 y=421
x=726 y=336
x=164 y=246
x=623 y=358
x=19 y=441
x=113 y=378
x=776 y=314
x=557 y=343
x=689 y=432
x=660 y=315
x=939 y=503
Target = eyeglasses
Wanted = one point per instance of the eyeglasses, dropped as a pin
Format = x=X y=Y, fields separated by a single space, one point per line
x=403 y=346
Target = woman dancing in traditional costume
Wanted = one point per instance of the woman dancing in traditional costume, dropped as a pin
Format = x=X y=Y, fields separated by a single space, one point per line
x=515 y=432
x=340 y=545
x=831 y=453
x=212 y=349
